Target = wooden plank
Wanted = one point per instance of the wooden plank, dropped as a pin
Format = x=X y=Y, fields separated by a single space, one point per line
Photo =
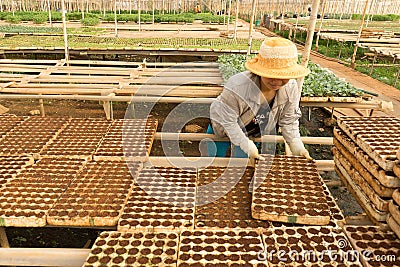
x=43 y=257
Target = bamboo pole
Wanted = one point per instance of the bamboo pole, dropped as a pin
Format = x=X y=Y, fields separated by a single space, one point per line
x=202 y=162
x=363 y=105
x=251 y=26
x=353 y=58
x=309 y=40
x=265 y=138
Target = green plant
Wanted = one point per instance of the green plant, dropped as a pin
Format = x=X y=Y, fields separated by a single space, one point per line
x=13 y=19
x=322 y=82
x=90 y=21
x=40 y=18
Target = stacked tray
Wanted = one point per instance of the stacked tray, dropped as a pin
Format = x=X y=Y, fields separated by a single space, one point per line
x=223 y=199
x=376 y=247
x=162 y=198
x=11 y=166
x=289 y=189
x=129 y=138
x=26 y=198
x=134 y=249
x=377 y=136
x=97 y=195
x=220 y=248
x=30 y=136
x=364 y=154
x=308 y=246
x=79 y=139
x=394 y=209
x=394 y=206
x=8 y=122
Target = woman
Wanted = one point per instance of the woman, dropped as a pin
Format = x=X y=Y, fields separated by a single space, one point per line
x=257 y=101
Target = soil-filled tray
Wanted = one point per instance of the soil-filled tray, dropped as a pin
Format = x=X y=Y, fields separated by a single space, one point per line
x=308 y=246
x=336 y=216
x=220 y=248
x=376 y=247
x=386 y=178
x=394 y=210
x=396 y=196
x=129 y=138
x=11 y=166
x=79 y=139
x=394 y=225
x=359 y=195
x=289 y=189
x=134 y=249
x=377 y=136
x=30 y=136
x=97 y=195
x=378 y=194
x=161 y=198
x=8 y=122
x=223 y=199
x=26 y=198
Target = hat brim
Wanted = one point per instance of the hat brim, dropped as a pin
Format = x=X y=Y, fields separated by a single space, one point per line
x=296 y=71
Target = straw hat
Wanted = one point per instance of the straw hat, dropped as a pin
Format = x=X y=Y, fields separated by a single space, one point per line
x=277 y=58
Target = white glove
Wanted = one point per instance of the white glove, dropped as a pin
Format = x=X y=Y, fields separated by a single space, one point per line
x=298 y=149
x=250 y=149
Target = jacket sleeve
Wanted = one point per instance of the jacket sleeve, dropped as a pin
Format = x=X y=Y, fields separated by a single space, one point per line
x=289 y=120
x=224 y=113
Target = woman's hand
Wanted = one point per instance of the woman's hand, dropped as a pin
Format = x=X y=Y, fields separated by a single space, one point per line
x=298 y=149
x=250 y=149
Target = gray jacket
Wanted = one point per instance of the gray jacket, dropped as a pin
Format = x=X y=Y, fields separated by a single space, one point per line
x=239 y=102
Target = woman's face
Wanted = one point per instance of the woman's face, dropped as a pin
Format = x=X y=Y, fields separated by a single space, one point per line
x=274 y=84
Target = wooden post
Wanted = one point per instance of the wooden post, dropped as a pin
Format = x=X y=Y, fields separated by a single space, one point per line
x=353 y=58
x=397 y=77
x=41 y=105
x=320 y=25
x=340 y=49
x=236 y=20
x=115 y=19
x=49 y=7
x=83 y=8
x=3 y=238
x=139 y=11
x=251 y=26
x=153 y=14
x=309 y=39
x=229 y=15
x=63 y=11
x=373 y=62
